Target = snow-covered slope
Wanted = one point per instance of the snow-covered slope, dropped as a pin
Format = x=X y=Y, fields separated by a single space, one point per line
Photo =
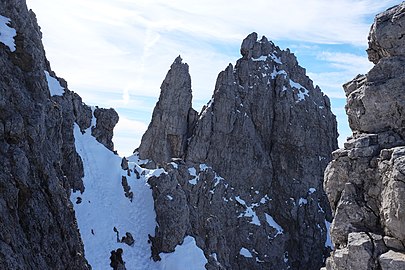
x=103 y=206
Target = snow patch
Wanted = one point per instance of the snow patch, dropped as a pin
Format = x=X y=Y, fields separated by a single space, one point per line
x=265 y=199
x=54 y=86
x=320 y=209
x=245 y=253
x=328 y=242
x=264 y=58
x=275 y=58
x=276 y=72
x=302 y=91
x=239 y=200
x=7 y=33
x=249 y=212
x=302 y=201
x=261 y=58
x=272 y=223
x=311 y=190
x=185 y=256
x=204 y=167
x=169 y=197
x=103 y=206
x=174 y=165
x=192 y=171
x=157 y=172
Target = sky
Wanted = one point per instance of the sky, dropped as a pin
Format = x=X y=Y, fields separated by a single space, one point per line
x=116 y=53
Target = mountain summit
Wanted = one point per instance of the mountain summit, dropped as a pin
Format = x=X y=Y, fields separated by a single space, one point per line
x=247 y=181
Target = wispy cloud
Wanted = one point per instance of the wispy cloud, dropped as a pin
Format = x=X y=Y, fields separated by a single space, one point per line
x=113 y=52
x=340 y=68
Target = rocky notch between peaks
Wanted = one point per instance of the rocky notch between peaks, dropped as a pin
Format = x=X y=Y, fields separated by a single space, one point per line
x=245 y=174
x=365 y=182
x=39 y=162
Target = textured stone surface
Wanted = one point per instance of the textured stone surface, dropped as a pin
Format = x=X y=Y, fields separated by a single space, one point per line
x=392 y=260
x=106 y=119
x=39 y=162
x=172 y=117
x=255 y=157
x=365 y=181
x=386 y=35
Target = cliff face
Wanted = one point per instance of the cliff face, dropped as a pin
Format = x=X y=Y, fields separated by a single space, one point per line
x=247 y=183
x=365 y=181
x=39 y=162
x=172 y=117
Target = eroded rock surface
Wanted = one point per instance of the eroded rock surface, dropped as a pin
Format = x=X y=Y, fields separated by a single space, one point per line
x=106 y=119
x=39 y=162
x=365 y=182
x=247 y=180
x=172 y=119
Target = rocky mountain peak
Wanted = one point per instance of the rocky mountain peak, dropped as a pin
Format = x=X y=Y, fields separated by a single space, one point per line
x=365 y=181
x=172 y=118
x=254 y=160
x=252 y=48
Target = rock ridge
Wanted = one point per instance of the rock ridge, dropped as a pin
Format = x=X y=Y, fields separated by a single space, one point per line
x=250 y=174
x=364 y=182
x=40 y=165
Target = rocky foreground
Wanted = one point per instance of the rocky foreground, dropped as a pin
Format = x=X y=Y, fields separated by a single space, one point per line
x=365 y=182
x=39 y=163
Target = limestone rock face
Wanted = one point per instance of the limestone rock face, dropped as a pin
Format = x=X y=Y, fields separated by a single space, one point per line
x=365 y=180
x=39 y=162
x=106 y=119
x=172 y=119
x=249 y=175
x=386 y=35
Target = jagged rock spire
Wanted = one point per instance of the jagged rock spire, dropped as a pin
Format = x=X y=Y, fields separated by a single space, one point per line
x=172 y=117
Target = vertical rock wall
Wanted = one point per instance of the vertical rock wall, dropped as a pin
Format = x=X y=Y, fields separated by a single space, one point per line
x=39 y=164
x=365 y=182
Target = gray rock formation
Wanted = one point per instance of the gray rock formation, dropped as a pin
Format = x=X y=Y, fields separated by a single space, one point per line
x=39 y=162
x=172 y=118
x=365 y=182
x=106 y=119
x=247 y=180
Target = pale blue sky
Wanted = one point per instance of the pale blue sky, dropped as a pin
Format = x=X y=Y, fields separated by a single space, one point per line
x=116 y=53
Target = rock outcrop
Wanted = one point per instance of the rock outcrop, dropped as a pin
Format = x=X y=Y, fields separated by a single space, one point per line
x=39 y=162
x=172 y=118
x=246 y=181
x=365 y=182
x=106 y=119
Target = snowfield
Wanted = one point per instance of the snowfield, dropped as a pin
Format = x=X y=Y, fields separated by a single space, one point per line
x=103 y=206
